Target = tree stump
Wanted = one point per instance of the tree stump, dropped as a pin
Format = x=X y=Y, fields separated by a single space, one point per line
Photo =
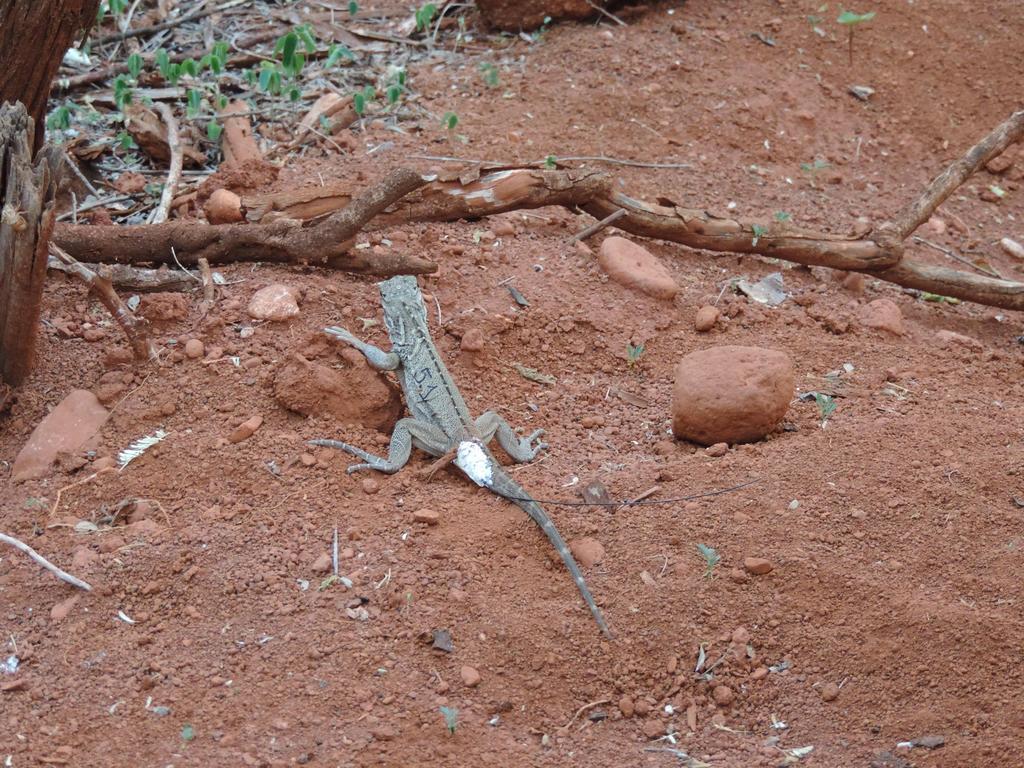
x=26 y=223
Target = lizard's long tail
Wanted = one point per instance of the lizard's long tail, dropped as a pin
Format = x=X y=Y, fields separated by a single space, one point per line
x=503 y=485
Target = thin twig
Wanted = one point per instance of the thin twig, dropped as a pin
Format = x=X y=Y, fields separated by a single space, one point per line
x=613 y=161
x=583 y=709
x=81 y=176
x=609 y=14
x=957 y=257
x=170 y=24
x=208 y=287
x=96 y=204
x=598 y=226
x=60 y=574
x=132 y=326
x=163 y=209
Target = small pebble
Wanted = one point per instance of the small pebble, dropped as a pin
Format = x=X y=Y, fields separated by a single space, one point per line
x=723 y=695
x=587 y=551
x=369 y=486
x=717 y=450
x=757 y=566
x=472 y=340
x=829 y=692
x=246 y=429
x=470 y=677
x=653 y=729
x=706 y=318
x=430 y=517
x=626 y=706
x=194 y=349
x=322 y=564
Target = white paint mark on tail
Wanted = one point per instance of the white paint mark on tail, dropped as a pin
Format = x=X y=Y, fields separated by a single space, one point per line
x=472 y=460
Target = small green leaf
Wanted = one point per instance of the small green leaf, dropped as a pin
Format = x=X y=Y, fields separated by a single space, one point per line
x=291 y=42
x=337 y=52
x=195 y=102
x=359 y=103
x=759 y=232
x=173 y=73
x=782 y=216
x=826 y=406
x=294 y=93
x=369 y=93
x=711 y=559
x=125 y=140
x=214 y=130
x=850 y=18
x=190 y=67
x=353 y=8
x=450 y=120
x=162 y=60
x=134 y=64
x=394 y=93
x=188 y=733
x=550 y=162
x=451 y=718
x=307 y=38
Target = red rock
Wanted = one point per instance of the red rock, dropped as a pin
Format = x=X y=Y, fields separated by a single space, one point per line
x=64 y=430
x=246 y=429
x=428 y=516
x=829 y=692
x=631 y=265
x=307 y=459
x=723 y=695
x=163 y=307
x=587 y=551
x=60 y=611
x=111 y=543
x=854 y=283
x=353 y=395
x=759 y=674
x=369 y=486
x=503 y=228
x=275 y=302
x=757 y=566
x=94 y=334
x=472 y=340
x=706 y=318
x=322 y=564
x=883 y=315
x=470 y=677
x=223 y=207
x=717 y=450
x=730 y=394
x=653 y=729
x=194 y=349
x=626 y=706
x=949 y=338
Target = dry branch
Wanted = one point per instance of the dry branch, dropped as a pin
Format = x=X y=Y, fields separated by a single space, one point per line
x=326 y=244
x=163 y=209
x=133 y=327
x=138 y=279
x=62 y=575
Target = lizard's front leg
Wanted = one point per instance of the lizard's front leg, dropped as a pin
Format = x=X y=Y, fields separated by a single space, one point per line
x=491 y=425
x=375 y=356
x=407 y=432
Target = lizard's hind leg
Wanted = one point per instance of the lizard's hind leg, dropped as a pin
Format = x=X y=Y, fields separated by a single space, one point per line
x=406 y=433
x=491 y=425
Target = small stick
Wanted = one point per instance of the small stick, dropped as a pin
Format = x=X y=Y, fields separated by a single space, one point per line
x=174 y=169
x=208 y=287
x=170 y=24
x=593 y=229
x=649 y=492
x=603 y=12
x=334 y=558
x=132 y=326
x=957 y=257
x=62 y=575
x=442 y=462
x=615 y=161
x=583 y=709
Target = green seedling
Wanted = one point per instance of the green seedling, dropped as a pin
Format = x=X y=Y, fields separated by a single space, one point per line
x=711 y=559
x=134 y=64
x=812 y=169
x=826 y=406
x=450 y=121
x=451 y=718
x=851 y=20
x=125 y=141
x=188 y=733
x=122 y=92
x=353 y=8
x=759 y=232
x=492 y=79
x=424 y=16
x=336 y=53
x=633 y=354
x=938 y=298
x=781 y=216
x=550 y=162
x=60 y=118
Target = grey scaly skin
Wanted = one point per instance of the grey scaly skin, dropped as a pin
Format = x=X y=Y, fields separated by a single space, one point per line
x=440 y=421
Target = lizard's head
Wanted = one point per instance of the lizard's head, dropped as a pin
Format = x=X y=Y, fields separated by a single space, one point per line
x=402 y=303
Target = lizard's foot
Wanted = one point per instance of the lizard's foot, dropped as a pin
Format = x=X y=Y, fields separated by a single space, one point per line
x=528 y=448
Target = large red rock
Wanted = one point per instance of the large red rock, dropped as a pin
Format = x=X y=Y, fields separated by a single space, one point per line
x=353 y=395
x=631 y=265
x=731 y=394
x=77 y=418
x=883 y=314
x=275 y=302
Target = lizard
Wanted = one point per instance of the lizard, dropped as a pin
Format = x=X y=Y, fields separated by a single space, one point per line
x=440 y=422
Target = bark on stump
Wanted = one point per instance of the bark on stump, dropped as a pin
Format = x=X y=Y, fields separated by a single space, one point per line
x=34 y=34
x=26 y=223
